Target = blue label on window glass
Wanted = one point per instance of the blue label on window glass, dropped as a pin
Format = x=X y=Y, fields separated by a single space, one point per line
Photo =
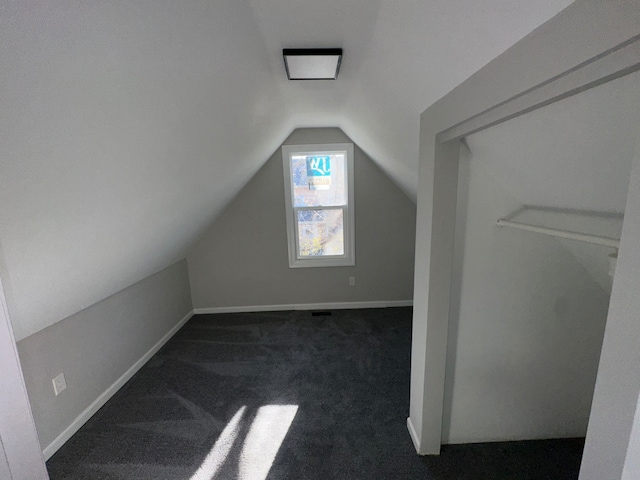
x=319 y=166
x=319 y=171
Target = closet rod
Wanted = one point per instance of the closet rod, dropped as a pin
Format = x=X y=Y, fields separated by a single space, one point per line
x=556 y=232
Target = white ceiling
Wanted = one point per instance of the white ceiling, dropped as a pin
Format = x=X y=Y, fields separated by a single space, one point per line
x=127 y=126
x=399 y=58
x=573 y=154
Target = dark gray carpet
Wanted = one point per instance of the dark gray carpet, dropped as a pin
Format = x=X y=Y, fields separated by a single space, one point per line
x=194 y=411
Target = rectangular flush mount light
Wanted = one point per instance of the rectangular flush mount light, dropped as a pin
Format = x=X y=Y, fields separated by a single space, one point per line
x=312 y=63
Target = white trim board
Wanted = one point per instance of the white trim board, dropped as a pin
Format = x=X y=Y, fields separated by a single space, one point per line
x=305 y=306
x=414 y=436
x=91 y=410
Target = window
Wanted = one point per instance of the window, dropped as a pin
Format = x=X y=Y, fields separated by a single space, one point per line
x=318 y=183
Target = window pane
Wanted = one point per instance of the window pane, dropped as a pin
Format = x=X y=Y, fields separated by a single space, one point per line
x=319 y=180
x=320 y=232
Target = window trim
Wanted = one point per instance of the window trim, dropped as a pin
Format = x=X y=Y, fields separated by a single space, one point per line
x=349 y=257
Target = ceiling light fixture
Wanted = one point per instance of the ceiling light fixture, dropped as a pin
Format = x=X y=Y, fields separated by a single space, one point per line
x=312 y=63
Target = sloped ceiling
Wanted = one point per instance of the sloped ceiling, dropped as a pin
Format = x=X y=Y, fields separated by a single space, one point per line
x=127 y=126
x=573 y=154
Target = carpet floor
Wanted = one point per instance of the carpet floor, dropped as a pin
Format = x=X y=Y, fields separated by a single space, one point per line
x=285 y=395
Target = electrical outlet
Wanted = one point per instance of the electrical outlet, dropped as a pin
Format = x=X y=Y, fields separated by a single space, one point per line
x=59 y=384
x=352 y=281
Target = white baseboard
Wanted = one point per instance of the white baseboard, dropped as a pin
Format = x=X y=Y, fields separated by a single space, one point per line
x=109 y=392
x=413 y=435
x=305 y=306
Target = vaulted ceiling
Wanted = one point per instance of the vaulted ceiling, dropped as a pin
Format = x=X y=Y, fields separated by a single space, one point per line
x=128 y=126
x=575 y=154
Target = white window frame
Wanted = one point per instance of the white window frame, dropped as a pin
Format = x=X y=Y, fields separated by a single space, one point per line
x=349 y=256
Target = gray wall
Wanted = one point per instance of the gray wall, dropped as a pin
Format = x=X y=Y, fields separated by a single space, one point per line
x=242 y=259
x=96 y=346
x=526 y=325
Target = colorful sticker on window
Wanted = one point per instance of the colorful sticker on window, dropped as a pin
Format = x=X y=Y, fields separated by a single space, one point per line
x=319 y=172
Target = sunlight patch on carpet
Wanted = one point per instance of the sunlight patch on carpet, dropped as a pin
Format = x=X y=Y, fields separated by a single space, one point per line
x=218 y=454
x=267 y=432
x=256 y=452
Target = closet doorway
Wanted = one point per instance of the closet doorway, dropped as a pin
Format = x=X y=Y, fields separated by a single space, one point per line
x=541 y=200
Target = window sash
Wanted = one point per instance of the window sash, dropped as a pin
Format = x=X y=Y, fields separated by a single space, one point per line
x=345 y=232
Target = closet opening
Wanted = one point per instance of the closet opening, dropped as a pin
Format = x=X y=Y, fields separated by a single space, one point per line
x=539 y=215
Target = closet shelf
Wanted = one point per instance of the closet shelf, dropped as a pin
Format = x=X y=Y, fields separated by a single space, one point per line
x=556 y=232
